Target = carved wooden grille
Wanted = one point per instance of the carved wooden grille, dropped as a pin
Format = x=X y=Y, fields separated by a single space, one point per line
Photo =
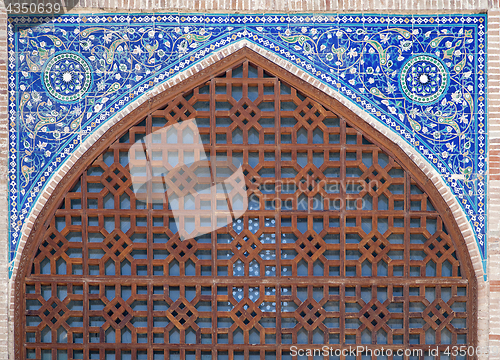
x=340 y=246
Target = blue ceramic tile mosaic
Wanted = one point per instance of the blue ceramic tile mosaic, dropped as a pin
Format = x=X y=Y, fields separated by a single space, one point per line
x=423 y=76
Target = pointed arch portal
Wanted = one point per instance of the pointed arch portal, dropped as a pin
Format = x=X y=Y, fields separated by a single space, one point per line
x=345 y=240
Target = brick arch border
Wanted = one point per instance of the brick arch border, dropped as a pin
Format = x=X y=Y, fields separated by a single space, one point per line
x=111 y=130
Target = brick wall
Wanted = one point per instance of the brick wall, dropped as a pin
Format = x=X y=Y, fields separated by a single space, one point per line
x=424 y=6
x=494 y=174
x=4 y=230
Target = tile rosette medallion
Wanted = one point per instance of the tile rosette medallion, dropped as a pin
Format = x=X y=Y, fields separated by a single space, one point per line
x=422 y=76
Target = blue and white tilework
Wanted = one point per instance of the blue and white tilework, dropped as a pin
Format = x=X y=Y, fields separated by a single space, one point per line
x=423 y=76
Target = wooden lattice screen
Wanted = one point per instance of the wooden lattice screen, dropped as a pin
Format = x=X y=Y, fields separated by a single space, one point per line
x=340 y=246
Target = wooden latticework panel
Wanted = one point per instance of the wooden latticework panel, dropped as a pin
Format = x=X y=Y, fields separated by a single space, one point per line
x=339 y=245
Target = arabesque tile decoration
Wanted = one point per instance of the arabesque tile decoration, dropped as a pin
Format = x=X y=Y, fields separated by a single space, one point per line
x=423 y=76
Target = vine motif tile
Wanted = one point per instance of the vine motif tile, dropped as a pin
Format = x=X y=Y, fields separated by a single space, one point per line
x=422 y=76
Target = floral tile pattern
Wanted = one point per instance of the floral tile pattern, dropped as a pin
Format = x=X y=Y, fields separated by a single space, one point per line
x=423 y=76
